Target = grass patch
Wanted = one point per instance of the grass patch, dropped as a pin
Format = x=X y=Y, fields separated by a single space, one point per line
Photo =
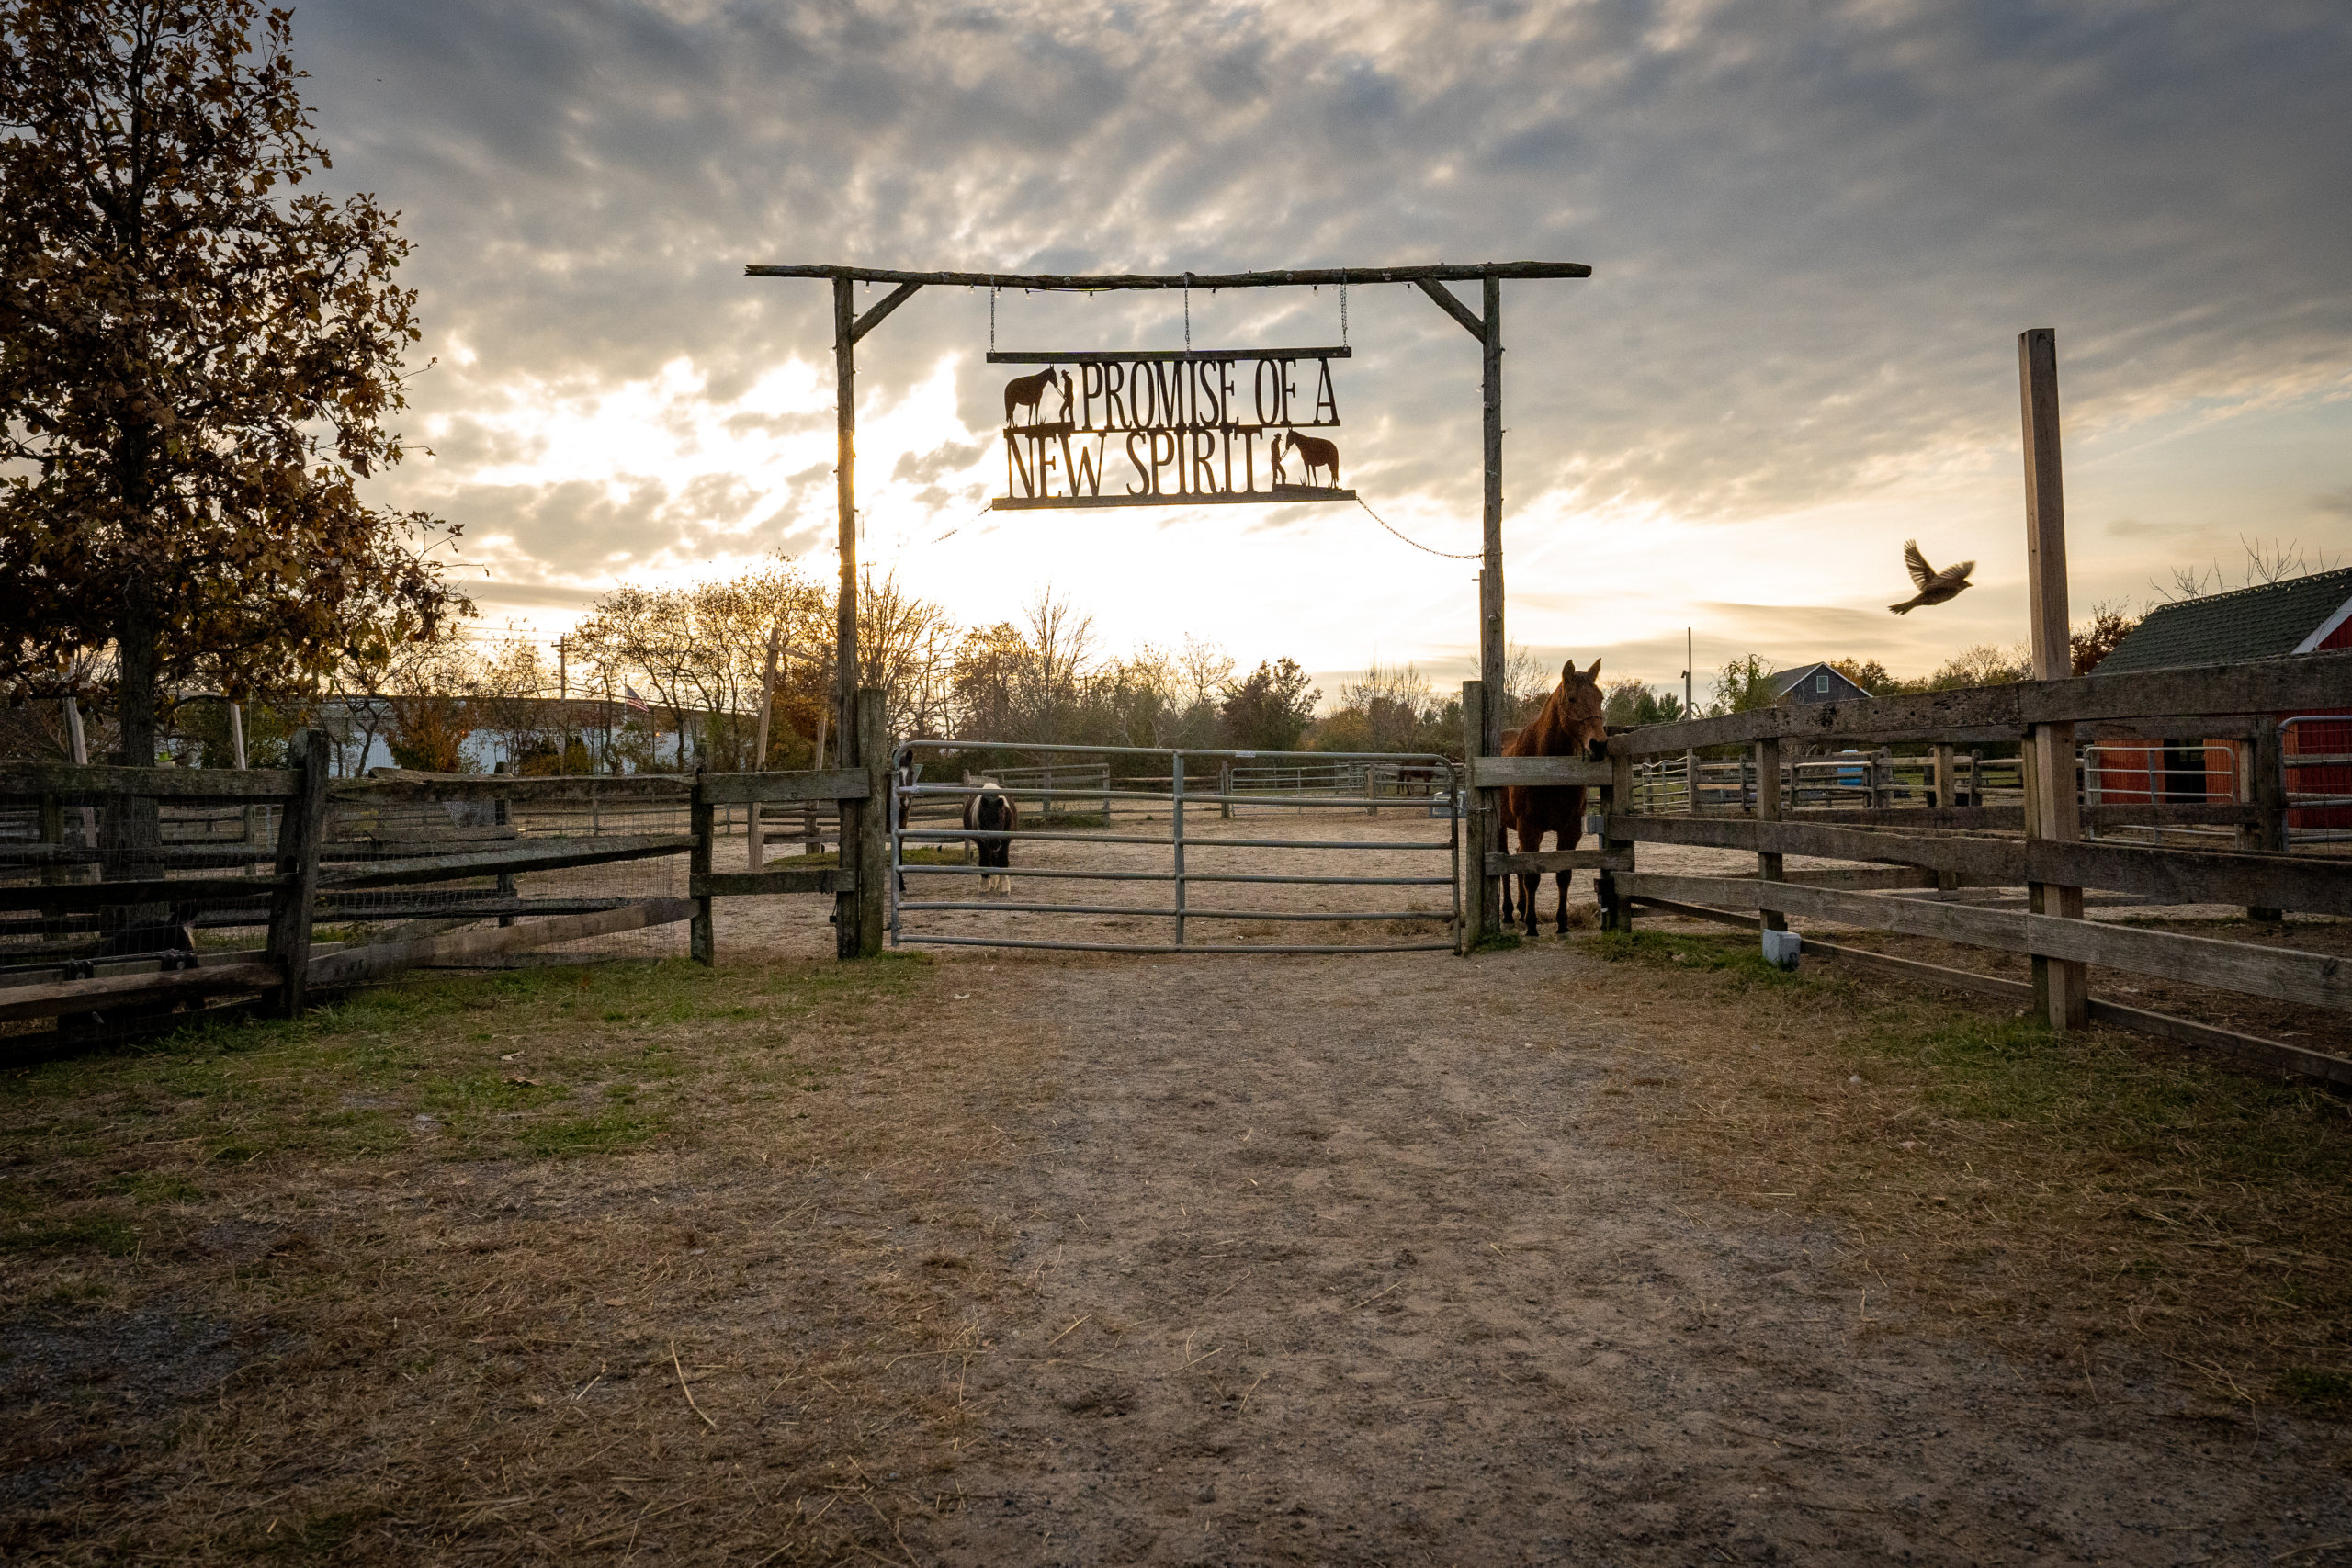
x=320 y=1248
x=2057 y=1189
x=106 y=1232
x=602 y=1132
x=2322 y=1389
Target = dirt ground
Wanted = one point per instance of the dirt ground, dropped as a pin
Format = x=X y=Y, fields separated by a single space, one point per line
x=1585 y=1252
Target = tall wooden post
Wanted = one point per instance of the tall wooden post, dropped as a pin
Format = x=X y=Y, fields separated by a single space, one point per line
x=300 y=833
x=845 y=495
x=1768 y=809
x=1490 y=578
x=862 y=914
x=1481 y=894
x=2053 y=808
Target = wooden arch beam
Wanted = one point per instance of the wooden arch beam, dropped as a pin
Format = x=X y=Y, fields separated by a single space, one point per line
x=1450 y=304
x=889 y=302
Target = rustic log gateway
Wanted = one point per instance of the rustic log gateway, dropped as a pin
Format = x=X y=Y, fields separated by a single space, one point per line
x=863 y=916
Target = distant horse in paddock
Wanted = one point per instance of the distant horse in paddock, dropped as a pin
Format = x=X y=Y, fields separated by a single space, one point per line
x=992 y=811
x=1568 y=726
x=1316 y=453
x=1029 y=392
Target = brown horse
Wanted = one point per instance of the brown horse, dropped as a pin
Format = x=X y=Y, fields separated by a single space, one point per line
x=1568 y=726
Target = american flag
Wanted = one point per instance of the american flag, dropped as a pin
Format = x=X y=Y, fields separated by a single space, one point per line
x=628 y=695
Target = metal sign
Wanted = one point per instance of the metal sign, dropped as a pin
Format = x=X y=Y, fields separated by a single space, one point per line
x=1173 y=427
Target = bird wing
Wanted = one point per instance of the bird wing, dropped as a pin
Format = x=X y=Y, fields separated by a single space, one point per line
x=1955 y=577
x=1921 y=572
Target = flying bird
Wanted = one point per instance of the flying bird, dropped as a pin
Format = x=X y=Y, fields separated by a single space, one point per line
x=1935 y=587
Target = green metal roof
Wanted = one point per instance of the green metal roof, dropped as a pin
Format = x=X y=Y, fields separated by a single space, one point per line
x=2263 y=622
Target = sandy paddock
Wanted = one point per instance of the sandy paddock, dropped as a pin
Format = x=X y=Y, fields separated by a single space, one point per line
x=1003 y=1257
x=1346 y=1259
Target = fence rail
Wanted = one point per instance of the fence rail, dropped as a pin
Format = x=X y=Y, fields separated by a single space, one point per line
x=1941 y=822
x=115 y=870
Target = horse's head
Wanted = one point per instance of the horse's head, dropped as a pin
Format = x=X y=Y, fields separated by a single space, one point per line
x=1580 y=703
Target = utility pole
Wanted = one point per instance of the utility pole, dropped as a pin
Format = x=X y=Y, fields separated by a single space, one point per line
x=562 y=716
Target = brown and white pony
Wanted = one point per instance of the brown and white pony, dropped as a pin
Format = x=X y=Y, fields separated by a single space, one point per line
x=1568 y=726
x=992 y=811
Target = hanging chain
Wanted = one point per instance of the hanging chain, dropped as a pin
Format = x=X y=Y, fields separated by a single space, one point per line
x=992 y=320
x=1343 y=309
x=1188 y=312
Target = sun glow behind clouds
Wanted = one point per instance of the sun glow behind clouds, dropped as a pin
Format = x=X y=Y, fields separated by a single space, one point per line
x=685 y=483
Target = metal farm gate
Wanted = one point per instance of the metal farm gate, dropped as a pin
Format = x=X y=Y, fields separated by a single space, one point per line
x=1372 y=849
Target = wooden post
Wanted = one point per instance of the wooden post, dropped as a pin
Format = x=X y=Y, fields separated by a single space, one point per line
x=2053 y=810
x=845 y=496
x=871 y=816
x=1620 y=909
x=2267 y=789
x=702 y=933
x=1690 y=783
x=1223 y=787
x=1946 y=794
x=755 y=850
x=1481 y=895
x=502 y=813
x=52 y=834
x=1768 y=809
x=299 y=834
x=1491 y=580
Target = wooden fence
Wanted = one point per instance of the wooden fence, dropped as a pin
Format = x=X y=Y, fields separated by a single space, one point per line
x=100 y=903
x=1936 y=848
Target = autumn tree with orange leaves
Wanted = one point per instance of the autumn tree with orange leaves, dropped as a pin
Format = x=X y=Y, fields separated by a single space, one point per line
x=198 y=352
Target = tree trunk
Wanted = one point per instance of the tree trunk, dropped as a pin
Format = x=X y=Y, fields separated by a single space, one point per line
x=132 y=824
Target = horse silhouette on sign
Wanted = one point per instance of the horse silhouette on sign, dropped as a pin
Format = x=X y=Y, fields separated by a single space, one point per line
x=1029 y=392
x=1316 y=453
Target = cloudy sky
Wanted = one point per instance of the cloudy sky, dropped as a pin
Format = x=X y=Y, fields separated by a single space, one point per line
x=1816 y=230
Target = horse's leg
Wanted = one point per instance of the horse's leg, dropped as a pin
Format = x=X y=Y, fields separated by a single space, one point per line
x=1529 y=843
